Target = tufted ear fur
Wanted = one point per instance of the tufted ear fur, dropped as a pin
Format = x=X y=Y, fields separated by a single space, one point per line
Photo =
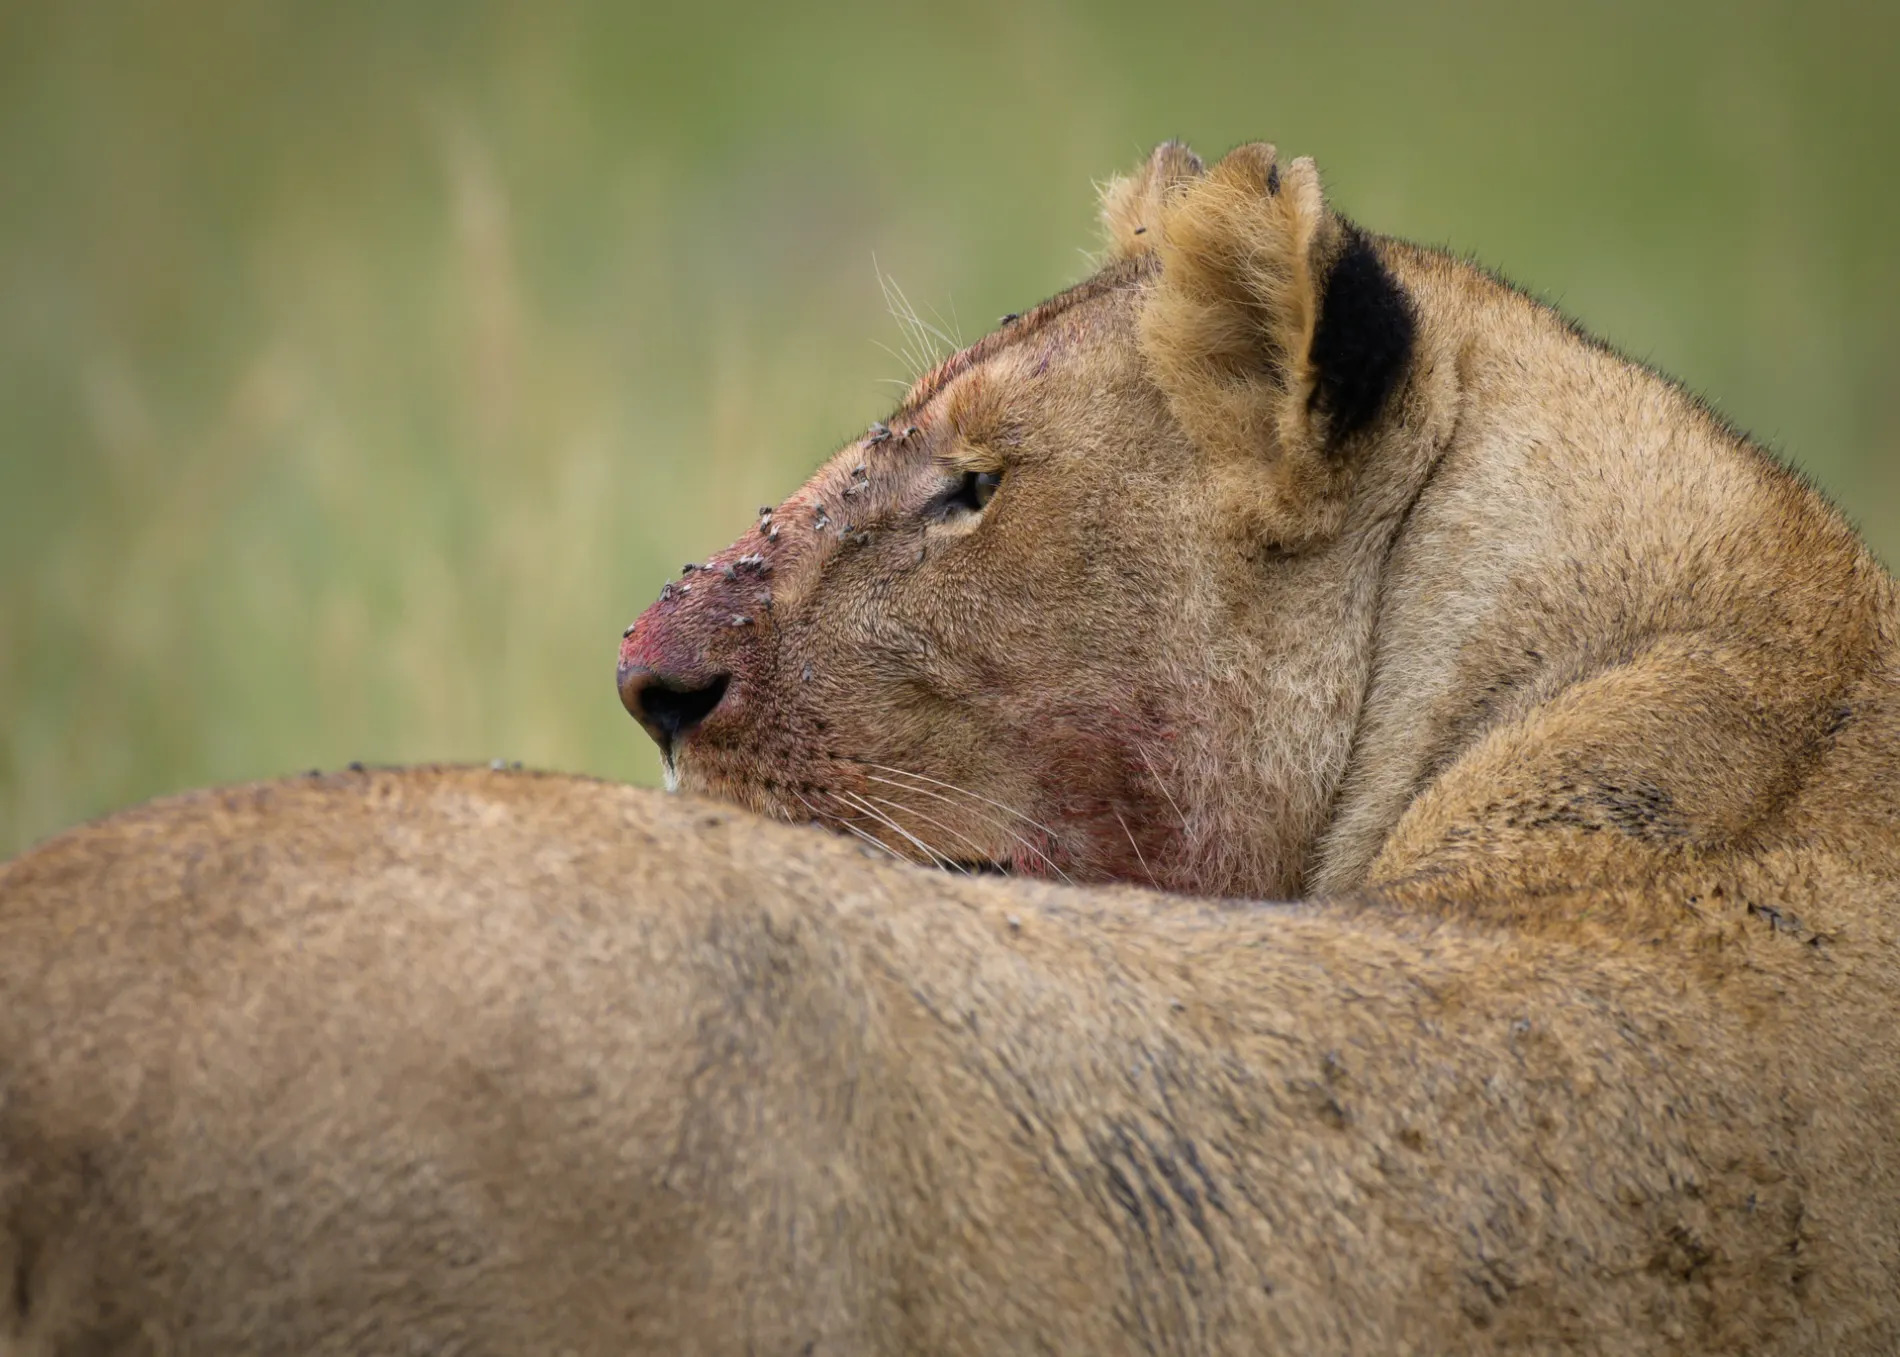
x=1277 y=335
x=1132 y=203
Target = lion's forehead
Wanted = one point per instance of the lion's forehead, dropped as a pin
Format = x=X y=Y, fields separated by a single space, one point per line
x=1017 y=329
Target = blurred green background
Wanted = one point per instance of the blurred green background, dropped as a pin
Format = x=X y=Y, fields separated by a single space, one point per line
x=364 y=367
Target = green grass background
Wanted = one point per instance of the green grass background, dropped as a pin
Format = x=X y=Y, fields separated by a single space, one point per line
x=365 y=367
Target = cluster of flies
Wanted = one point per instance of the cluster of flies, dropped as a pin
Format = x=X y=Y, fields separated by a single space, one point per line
x=755 y=565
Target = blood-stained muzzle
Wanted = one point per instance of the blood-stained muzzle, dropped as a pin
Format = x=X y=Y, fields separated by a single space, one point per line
x=701 y=656
x=684 y=660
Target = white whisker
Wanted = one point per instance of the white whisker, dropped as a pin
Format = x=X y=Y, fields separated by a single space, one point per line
x=981 y=852
x=992 y=820
x=1185 y=831
x=961 y=791
x=923 y=326
x=907 y=360
x=1139 y=856
x=876 y=814
x=821 y=817
x=883 y=848
x=955 y=335
x=919 y=356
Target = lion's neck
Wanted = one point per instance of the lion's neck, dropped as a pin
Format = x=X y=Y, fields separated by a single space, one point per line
x=1298 y=698
x=1588 y=541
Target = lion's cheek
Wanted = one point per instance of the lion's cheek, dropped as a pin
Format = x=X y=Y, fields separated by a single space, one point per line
x=1100 y=790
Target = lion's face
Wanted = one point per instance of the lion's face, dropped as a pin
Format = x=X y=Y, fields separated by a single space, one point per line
x=992 y=632
x=968 y=627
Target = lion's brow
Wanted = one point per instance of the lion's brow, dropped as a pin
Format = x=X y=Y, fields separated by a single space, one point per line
x=1019 y=328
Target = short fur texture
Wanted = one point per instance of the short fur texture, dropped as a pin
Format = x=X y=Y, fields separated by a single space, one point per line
x=473 y=1062
x=1578 y=715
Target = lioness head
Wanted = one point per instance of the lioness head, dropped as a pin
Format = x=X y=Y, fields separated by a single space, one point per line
x=1082 y=605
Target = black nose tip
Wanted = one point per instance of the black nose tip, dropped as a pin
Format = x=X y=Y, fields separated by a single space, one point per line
x=667 y=705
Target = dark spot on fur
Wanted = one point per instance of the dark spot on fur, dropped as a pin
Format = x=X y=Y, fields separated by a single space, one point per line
x=1273 y=181
x=1681 y=1254
x=23 y=1284
x=1781 y=921
x=1124 y=1193
x=1641 y=809
x=1635 y=807
x=1364 y=339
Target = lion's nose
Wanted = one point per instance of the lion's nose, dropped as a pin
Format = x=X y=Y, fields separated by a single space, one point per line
x=666 y=704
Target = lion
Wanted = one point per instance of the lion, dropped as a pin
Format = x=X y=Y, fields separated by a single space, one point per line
x=1277 y=560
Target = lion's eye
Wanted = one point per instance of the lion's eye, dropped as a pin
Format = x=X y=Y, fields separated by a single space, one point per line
x=976 y=490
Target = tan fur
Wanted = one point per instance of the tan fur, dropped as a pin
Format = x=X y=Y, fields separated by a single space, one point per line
x=1581 y=715
x=480 y=1062
x=1132 y=204
x=1239 y=301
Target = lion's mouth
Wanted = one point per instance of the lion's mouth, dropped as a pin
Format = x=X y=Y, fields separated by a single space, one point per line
x=980 y=867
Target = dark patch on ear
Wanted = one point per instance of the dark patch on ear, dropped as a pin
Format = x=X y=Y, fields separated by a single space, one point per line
x=1273 y=180
x=1364 y=338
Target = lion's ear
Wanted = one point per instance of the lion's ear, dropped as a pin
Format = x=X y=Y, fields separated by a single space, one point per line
x=1132 y=203
x=1277 y=335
